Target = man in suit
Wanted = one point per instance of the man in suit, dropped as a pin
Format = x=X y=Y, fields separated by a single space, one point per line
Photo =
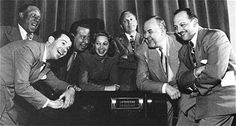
x=206 y=74
x=158 y=61
x=127 y=43
x=28 y=22
x=23 y=63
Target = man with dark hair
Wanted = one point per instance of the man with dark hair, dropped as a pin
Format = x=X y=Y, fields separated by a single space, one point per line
x=158 y=62
x=80 y=30
x=23 y=63
x=28 y=22
x=127 y=44
x=206 y=75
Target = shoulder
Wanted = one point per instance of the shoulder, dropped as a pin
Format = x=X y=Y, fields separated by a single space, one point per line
x=8 y=29
x=141 y=50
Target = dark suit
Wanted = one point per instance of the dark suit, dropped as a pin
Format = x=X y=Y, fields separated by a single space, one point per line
x=213 y=99
x=127 y=67
x=150 y=73
x=20 y=64
x=12 y=33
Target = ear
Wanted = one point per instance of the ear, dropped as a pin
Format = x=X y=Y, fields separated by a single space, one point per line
x=51 y=39
x=121 y=27
x=195 y=21
x=21 y=15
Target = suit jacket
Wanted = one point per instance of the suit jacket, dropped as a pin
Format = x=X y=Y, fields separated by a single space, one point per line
x=213 y=99
x=20 y=64
x=150 y=72
x=12 y=33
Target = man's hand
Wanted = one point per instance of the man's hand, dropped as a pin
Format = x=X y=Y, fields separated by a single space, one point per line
x=69 y=96
x=114 y=87
x=172 y=92
x=55 y=104
x=198 y=71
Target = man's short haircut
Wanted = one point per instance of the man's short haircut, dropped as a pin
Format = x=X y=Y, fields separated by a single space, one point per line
x=122 y=15
x=81 y=23
x=24 y=7
x=190 y=14
x=160 y=22
x=58 y=34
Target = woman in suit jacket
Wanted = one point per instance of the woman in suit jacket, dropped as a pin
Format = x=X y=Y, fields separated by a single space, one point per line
x=98 y=71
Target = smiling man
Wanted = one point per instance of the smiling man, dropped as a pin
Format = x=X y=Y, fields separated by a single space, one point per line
x=28 y=22
x=23 y=63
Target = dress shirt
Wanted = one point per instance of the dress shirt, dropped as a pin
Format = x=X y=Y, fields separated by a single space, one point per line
x=164 y=53
x=23 y=33
x=128 y=35
x=45 y=76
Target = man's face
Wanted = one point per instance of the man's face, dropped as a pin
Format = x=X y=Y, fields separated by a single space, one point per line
x=129 y=23
x=31 y=19
x=81 y=40
x=59 y=47
x=184 y=26
x=101 y=45
x=153 y=33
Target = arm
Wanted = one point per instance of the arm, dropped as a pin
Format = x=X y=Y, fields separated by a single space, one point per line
x=218 y=52
x=23 y=59
x=84 y=83
x=143 y=80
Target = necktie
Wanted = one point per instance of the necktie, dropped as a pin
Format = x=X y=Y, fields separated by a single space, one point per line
x=72 y=58
x=29 y=36
x=163 y=60
x=192 y=52
x=132 y=42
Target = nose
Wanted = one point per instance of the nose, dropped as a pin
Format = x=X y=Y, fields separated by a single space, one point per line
x=178 y=29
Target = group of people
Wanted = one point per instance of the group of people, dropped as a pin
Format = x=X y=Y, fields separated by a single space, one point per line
x=199 y=71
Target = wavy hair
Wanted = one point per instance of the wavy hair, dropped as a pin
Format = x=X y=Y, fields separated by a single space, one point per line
x=111 y=49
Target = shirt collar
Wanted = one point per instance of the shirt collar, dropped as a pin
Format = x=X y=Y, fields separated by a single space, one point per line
x=164 y=48
x=133 y=34
x=44 y=54
x=23 y=33
x=194 y=39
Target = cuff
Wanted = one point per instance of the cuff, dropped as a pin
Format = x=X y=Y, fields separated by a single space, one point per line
x=164 y=88
x=46 y=104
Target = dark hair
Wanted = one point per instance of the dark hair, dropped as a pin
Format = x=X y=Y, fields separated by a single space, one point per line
x=58 y=34
x=160 y=21
x=122 y=15
x=24 y=7
x=81 y=23
x=111 y=49
x=190 y=14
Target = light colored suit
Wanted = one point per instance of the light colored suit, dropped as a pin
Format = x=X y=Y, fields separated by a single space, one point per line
x=12 y=33
x=150 y=73
x=212 y=45
x=20 y=64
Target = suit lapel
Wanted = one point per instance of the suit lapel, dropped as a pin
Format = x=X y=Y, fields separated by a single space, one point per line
x=155 y=62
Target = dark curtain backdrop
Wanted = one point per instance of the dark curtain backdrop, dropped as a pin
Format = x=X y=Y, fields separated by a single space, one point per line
x=60 y=14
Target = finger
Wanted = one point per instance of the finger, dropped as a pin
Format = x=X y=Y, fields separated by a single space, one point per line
x=61 y=96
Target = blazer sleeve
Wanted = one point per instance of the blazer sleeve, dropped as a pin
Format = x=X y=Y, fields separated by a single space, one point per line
x=22 y=62
x=57 y=85
x=218 y=49
x=84 y=82
x=143 y=79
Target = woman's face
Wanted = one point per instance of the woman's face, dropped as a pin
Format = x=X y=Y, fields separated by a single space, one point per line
x=101 y=45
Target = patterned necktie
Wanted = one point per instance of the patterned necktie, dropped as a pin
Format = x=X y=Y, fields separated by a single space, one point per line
x=132 y=42
x=29 y=36
x=163 y=60
x=72 y=58
x=192 y=52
